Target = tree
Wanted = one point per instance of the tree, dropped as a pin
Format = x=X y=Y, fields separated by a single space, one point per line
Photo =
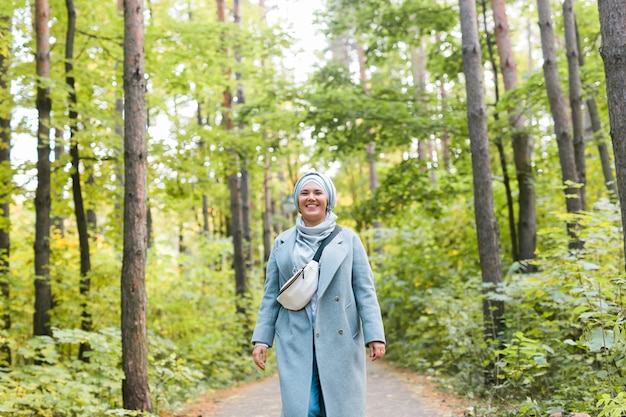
x=136 y=392
x=500 y=145
x=613 y=29
x=79 y=207
x=5 y=178
x=575 y=96
x=522 y=143
x=569 y=173
x=486 y=224
x=598 y=133
x=43 y=292
x=234 y=185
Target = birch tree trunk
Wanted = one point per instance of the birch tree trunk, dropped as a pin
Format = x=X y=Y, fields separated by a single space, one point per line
x=43 y=291
x=522 y=142
x=613 y=50
x=569 y=173
x=486 y=225
x=135 y=388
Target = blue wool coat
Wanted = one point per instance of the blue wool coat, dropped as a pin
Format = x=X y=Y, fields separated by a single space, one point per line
x=347 y=318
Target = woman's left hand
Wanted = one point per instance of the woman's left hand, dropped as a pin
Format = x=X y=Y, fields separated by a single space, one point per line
x=377 y=350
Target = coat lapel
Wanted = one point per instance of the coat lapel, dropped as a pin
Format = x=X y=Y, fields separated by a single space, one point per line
x=332 y=257
x=284 y=255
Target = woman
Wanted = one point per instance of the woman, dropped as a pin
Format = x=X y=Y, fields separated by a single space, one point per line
x=320 y=349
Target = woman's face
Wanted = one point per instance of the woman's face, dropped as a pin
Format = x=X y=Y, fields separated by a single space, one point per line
x=312 y=202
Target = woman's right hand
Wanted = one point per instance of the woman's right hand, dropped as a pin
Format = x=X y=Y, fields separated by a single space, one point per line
x=259 y=354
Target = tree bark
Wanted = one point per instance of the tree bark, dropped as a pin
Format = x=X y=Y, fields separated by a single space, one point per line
x=6 y=175
x=135 y=386
x=522 y=142
x=500 y=146
x=58 y=149
x=613 y=50
x=370 y=148
x=569 y=173
x=575 y=97
x=79 y=209
x=598 y=134
x=234 y=186
x=267 y=182
x=268 y=211
x=603 y=149
x=43 y=291
x=486 y=225
x=246 y=209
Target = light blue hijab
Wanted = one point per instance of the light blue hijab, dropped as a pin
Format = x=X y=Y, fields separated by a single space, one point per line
x=323 y=181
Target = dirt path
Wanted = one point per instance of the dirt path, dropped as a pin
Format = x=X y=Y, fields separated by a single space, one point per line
x=390 y=393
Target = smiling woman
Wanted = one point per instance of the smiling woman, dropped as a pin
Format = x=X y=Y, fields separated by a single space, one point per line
x=320 y=349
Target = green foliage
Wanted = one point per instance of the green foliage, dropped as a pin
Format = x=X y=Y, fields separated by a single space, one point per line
x=198 y=341
x=48 y=385
x=564 y=343
x=522 y=360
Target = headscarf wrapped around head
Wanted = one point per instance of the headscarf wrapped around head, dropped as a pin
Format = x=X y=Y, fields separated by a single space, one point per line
x=324 y=182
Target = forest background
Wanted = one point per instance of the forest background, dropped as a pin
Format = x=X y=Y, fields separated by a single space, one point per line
x=498 y=255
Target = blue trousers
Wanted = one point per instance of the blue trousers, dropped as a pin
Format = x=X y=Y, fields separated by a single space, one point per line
x=316 y=402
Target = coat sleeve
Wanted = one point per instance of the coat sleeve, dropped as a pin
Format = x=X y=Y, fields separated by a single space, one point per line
x=365 y=294
x=268 y=312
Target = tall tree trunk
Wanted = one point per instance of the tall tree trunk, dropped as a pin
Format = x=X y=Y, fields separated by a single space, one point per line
x=569 y=173
x=234 y=186
x=268 y=211
x=445 y=136
x=135 y=388
x=499 y=145
x=370 y=148
x=267 y=179
x=522 y=142
x=92 y=218
x=58 y=219
x=603 y=149
x=43 y=291
x=246 y=214
x=205 y=198
x=6 y=175
x=598 y=134
x=246 y=210
x=79 y=209
x=486 y=225
x=613 y=30
x=575 y=97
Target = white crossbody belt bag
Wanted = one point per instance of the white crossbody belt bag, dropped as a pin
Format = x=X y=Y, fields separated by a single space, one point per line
x=299 y=289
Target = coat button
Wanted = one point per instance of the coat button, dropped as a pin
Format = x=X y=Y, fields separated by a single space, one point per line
x=337 y=298
x=340 y=331
x=317 y=335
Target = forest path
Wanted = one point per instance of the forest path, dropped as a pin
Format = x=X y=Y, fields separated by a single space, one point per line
x=391 y=392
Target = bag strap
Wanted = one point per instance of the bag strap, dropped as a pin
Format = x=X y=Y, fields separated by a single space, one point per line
x=325 y=242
